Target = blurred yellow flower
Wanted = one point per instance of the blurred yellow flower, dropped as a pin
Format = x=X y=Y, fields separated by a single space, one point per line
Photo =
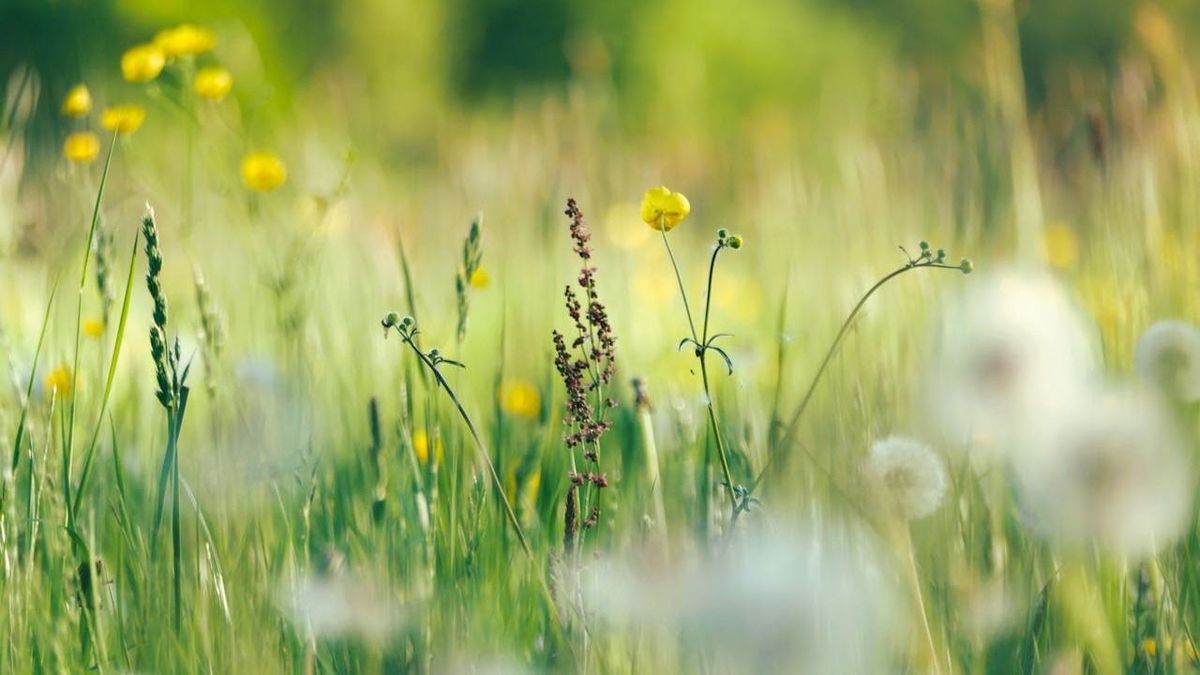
x=81 y=147
x=123 y=119
x=185 y=39
x=213 y=83
x=1150 y=647
x=480 y=278
x=78 y=101
x=58 y=381
x=93 y=328
x=263 y=171
x=663 y=209
x=142 y=63
x=520 y=398
x=1062 y=245
x=420 y=441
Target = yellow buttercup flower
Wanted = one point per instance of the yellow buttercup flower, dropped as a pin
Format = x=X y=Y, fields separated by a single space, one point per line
x=81 y=147
x=58 y=381
x=263 y=171
x=213 y=83
x=185 y=39
x=142 y=63
x=420 y=441
x=663 y=209
x=123 y=119
x=93 y=328
x=78 y=101
x=520 y=398
x=480 y=278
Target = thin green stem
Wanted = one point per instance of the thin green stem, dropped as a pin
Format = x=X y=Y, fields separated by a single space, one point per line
x=483 y=451
x=662 y=228
x=87 y=257
x=792 y=425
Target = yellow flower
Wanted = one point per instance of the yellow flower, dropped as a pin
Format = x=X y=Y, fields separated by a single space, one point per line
x=520 y=398
x=420 y=441
x=58 y=381
x=185 y=39
x=123 y=119
x=81 y=147
x=1062 y=245
x=480 y=278
x=93 y=328
x=263 y=171
x=1150 y=647
x=142 y=63
x=663 y=209
x=213 y=83
x=78 y=101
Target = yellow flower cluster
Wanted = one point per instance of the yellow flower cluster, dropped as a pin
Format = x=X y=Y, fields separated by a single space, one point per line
x=144 y=63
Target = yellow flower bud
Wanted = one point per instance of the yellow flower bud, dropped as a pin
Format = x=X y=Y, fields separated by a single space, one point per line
x=123 y=119
x=142 y=63
x=78 y=101
x=213 y=83
x=263 y=171
x=184 y=40
x=81 y=147
x=663 y=209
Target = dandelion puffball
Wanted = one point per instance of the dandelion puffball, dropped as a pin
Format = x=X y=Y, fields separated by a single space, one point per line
x=1168 y=356
x=907 y=474
x=1012 y=350
x=1111 y=472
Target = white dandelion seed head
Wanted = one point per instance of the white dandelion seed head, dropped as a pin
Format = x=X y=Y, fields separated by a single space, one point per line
x=340 y=607
x=906 y=474
x=776 y=603
x=1112 y=473
x=1168 y=356
x=1013 y=349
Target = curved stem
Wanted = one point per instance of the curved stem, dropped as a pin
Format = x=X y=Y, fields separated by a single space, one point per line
x=483 y=452
x=793 y=423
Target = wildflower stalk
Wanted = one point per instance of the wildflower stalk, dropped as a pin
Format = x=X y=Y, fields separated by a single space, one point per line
x=68 y=449
x=927 y=260
x=703 y=343
x=406 y=327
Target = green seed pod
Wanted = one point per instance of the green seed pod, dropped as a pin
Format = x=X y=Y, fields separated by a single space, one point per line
x=924 y=245
x=735 y=242
x=391 y=319
x=722 y=233
x=966 y=266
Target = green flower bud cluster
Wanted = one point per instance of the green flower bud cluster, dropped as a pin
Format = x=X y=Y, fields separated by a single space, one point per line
x=733 y=241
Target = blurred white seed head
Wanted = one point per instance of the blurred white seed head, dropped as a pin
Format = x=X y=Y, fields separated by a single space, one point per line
x=1111 y=472
x=1012 y=350
x=907 y=475
x=1168 y=357
x=340 y=607
x=776 y=603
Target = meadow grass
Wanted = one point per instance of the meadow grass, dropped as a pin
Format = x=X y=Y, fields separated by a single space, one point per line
x=343 y=503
